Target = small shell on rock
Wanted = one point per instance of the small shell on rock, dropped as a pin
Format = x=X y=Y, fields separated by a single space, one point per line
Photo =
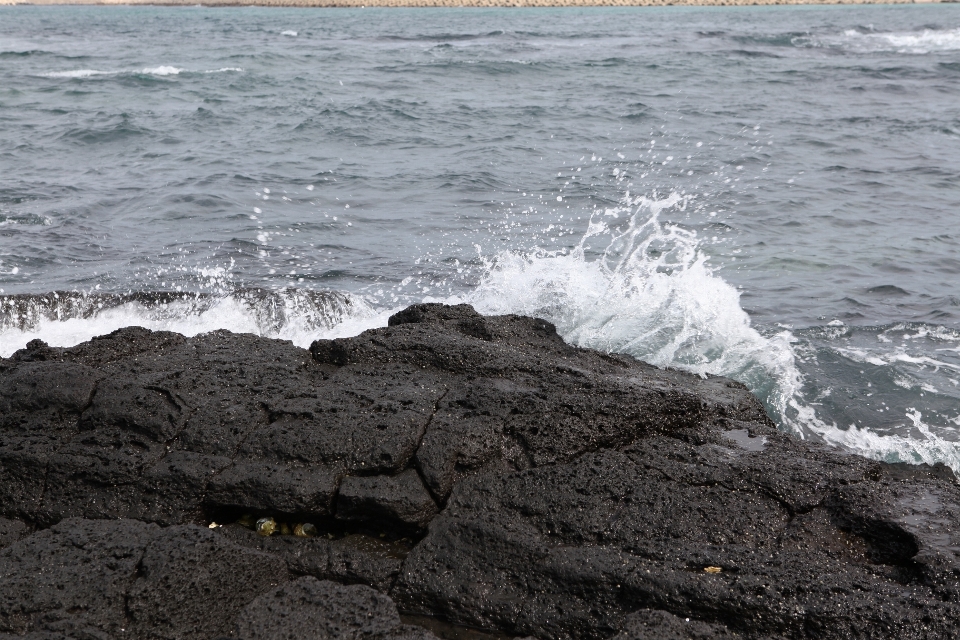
x=213 y=525
x=266 y=526
x=247 y=521
x=285 y=529
x=712 y=569
x=305 y=530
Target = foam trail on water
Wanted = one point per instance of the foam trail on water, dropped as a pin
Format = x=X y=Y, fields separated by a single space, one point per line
x=927 y=448
x=858 y=41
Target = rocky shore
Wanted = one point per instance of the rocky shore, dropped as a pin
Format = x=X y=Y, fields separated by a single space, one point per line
x=451 y=475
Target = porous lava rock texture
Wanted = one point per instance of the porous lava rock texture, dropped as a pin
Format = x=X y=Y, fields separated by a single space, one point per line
x=467 y=476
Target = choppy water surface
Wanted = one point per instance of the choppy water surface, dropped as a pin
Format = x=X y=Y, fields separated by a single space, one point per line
x=771 y=194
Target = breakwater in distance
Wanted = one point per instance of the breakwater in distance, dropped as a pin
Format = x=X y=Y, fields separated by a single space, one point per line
x=465 y=3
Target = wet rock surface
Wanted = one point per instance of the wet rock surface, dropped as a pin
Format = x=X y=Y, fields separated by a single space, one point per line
x=473 y=473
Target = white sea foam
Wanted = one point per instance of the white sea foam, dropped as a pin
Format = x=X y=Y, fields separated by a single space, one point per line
x=925 y=447
x=299 y=316
x=650 y=291
x=289 y=32
x=162 y=70
x=77 y=73
x=29 y=219
x=919 y=42
x=651 y=294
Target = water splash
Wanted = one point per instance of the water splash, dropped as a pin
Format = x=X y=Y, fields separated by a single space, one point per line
x=649 y=293
x=68 y=318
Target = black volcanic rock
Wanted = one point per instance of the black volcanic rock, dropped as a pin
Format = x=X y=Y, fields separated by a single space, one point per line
x=476 y=470
x=351 y=559
x=11 y=531
x=129 y=578
x=322 y=610
x=701 y=531
x=401 y=498
x=649 y=624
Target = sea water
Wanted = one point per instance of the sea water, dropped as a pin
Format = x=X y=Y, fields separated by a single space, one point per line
x=767 y=193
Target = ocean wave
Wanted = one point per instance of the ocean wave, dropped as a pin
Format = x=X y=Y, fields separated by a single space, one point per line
x=890 y=392
x=162 y=70
x=64 y=318
x=924 y=447
x=24 y=53
x=31 y=219
x=915 y=42
x=77 y=73
x=650 y=293
x=863 y=40
x=444 y=37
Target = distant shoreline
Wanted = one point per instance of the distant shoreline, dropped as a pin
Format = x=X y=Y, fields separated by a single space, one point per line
x=465 y=3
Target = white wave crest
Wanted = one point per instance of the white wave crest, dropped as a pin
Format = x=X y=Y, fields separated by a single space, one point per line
x=926 y=448
x=920 y=42
x=649 y=294
x=163 y=70
x=66 y=319
x=76 y=73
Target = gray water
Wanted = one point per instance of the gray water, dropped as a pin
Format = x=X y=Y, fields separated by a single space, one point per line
x=767 y=193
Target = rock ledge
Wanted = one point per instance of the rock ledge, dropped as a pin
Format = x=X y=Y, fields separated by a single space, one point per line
x=475 y=474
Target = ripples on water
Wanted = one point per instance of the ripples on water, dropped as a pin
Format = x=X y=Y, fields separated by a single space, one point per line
x=767 y=193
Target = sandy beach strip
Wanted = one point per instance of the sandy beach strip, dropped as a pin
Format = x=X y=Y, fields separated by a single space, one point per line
x=461 y=3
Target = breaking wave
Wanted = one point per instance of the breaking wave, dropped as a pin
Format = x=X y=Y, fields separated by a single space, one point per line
x=68 y=318
x=916 y=42
x=649 y=292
